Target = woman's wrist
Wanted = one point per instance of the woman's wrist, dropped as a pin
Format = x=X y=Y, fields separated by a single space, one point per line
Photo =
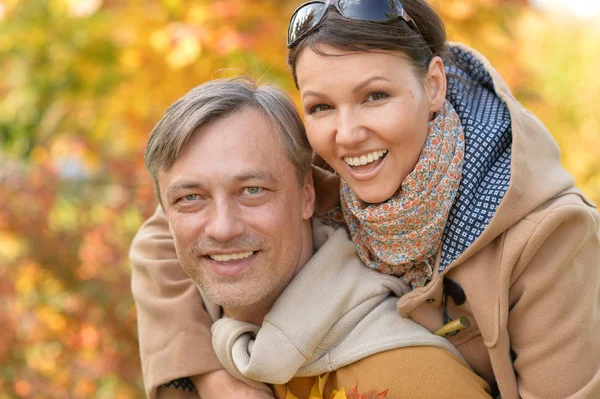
x=209 y=384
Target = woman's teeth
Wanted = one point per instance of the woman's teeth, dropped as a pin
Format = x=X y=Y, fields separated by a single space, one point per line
x=365 y=159
x=228 y=257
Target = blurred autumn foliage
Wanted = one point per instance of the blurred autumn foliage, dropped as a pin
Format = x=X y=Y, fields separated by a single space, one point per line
x=82 y=82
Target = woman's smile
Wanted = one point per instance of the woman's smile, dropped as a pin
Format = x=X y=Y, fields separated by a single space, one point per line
x=362 y=160
x=366 y=167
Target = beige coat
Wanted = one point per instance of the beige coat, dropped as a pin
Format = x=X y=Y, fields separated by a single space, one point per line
x=532 y=285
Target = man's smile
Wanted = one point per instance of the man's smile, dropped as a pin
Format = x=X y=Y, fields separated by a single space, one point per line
x=231 y=256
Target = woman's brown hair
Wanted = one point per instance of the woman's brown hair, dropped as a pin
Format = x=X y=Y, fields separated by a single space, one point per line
x=419 y=47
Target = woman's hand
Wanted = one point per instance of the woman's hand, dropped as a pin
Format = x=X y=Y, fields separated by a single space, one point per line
x=327 y=187
x=221 y=385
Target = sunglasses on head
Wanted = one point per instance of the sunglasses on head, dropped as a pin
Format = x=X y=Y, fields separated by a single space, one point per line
x=308 y=15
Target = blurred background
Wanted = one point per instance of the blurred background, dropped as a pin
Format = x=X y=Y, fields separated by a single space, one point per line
x=82 y=83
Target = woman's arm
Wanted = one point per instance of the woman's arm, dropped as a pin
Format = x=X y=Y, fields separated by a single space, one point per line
x=327 y=186
x=554 y=317
x=173 y=327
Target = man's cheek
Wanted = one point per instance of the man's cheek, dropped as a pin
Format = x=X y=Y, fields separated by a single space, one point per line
x=183 y=251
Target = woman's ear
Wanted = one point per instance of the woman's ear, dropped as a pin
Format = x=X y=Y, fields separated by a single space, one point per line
x=436 y=84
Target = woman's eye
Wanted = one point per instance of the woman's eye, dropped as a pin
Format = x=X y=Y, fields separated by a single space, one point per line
x=252 y=190
x=319 y=108
x=376 y=96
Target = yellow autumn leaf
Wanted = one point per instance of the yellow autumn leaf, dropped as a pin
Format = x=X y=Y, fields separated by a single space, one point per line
x=322 y=381
x=290 y=395
x=317 y=390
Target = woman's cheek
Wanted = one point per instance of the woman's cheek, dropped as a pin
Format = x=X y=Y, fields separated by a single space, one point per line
x=316 y=136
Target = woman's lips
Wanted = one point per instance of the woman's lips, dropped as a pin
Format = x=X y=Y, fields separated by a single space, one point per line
x=368 y=171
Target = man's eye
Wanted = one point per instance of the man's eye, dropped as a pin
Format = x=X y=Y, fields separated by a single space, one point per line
x=252 y=190
x=191 y=197
x=376 y=96
x=319 y=108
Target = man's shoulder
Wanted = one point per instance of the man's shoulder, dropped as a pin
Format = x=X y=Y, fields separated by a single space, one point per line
x=415 y=372
x=390 y=362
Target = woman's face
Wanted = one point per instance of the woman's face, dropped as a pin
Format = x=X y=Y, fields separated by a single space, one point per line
x=366 y=114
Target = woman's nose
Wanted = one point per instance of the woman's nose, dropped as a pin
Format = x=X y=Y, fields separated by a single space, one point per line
x=349 y=130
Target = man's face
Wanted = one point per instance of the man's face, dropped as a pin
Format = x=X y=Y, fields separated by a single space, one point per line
x=238 y=214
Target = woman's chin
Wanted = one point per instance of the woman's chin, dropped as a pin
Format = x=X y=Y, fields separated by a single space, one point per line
x=374 y=195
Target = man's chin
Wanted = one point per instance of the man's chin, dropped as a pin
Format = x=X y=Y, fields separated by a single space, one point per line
x=242 y=302
x=234 y=298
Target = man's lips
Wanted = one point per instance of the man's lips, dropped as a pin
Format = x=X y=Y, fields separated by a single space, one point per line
x=231 y=256
x=232 y=264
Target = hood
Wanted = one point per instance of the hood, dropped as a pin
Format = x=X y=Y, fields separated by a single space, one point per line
x=333 y=313
x=512 y=163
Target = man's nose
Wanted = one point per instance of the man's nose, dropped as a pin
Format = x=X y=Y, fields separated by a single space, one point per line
x=224 y=222
x=350 y=131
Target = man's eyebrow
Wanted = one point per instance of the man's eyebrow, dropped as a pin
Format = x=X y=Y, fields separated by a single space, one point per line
x=261 y=175
x=257 y=175
x=183 y=185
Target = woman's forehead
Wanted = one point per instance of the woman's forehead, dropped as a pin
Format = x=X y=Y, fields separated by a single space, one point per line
x=329 y=63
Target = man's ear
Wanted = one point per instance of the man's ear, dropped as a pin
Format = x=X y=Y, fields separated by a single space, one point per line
x=436 y=84
x=308 y=206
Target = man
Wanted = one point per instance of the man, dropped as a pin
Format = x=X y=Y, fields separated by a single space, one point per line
x=290 y=298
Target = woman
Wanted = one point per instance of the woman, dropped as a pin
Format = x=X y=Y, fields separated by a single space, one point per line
x=448 y=183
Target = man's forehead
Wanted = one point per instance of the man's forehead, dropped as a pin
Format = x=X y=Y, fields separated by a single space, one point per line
x=245 y=129
x=242 y=147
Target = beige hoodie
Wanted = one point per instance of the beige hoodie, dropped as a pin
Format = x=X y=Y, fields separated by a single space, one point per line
x=335 y=312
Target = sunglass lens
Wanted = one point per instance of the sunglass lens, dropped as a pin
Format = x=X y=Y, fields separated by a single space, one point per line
x=372 y=10
x=304 y=19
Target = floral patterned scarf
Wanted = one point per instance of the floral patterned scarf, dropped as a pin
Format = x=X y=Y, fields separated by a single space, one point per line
x=402 y=235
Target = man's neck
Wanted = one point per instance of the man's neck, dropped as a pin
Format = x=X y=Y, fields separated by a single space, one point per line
x=255 y=317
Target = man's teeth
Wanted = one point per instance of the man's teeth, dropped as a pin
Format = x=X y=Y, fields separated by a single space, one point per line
x=228 y=257
x=365 y=159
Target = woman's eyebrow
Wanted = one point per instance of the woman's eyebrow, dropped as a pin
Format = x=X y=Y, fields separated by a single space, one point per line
x=366 y=82
x=311 y=93
x=355 y=90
